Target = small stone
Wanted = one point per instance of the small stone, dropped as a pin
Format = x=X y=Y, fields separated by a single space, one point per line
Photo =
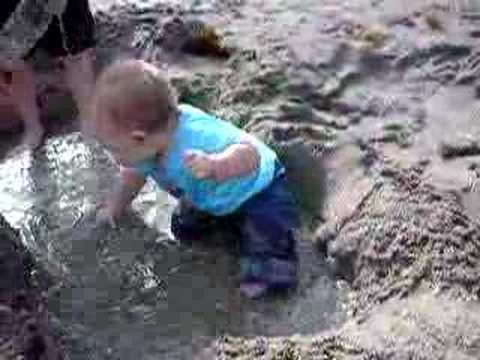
x=405 y=21
x=344 y=107
x=424 y=162
x=332 y=87
x=466 y=78
x=388 y=171
x=375 y=35
x=475 y=33
x=433 y=22
x=459 y=148
x=356 y=118
x=295 y=110
x=324 y=236
x=336 y=121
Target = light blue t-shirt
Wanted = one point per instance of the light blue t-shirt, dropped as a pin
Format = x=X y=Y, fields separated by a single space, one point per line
x=197 y=130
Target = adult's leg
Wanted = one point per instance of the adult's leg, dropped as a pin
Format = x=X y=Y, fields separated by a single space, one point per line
x=23 y=92
x=71 y=40
x=80 y=79
x=79 y=37
x=10 y=118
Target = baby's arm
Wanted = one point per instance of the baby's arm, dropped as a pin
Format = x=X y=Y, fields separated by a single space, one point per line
x=129 y=185
x=236 y=160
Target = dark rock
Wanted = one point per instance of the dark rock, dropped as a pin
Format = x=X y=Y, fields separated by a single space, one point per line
x=466 y=78
x=404 y=21
x=307 y=91
x=446 y=51
x=334 y=86
x=460 y=148
x=324 y=236
x=369 y=153
x=343 y=253
x=204 y=40
x=22 y=310
x=356 y=118
x=424 y=162
x=434 y=22
x=471 y=16
x=344 y=107
x=473 y=166
x=297 y=111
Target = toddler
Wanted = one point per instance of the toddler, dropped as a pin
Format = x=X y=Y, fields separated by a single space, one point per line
x=217 y=171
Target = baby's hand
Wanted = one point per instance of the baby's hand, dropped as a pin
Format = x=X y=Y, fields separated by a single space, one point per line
x=200 y=164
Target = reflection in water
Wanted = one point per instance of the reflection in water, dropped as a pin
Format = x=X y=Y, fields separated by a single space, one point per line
x=133 y=292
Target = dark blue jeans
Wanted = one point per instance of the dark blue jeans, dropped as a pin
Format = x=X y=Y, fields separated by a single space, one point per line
x=265 y=225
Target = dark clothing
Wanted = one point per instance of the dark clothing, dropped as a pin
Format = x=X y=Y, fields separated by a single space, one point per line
x=265 y=225
x=6 y=9
x=76 y=36
x=78 y=24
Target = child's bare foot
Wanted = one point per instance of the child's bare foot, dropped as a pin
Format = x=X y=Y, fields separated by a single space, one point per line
x=33 y=137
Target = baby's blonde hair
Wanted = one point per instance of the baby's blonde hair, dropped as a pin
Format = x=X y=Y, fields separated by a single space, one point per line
x=138 y=85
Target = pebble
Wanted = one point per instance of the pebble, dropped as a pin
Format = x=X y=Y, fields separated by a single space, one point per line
x=475 y=33
x=460 y=148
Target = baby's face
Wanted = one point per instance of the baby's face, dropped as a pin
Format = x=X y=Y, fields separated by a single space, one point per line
x=127 y=148
x=114 y=126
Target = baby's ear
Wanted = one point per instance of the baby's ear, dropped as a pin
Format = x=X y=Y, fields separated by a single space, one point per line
x=139 y=135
